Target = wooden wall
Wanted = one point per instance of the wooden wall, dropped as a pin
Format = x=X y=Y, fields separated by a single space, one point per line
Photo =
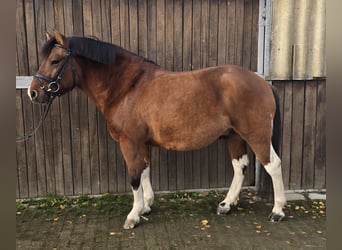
x=303 y=108
x=73 y=154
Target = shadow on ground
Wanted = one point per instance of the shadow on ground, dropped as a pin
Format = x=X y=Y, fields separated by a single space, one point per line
x=177 y=221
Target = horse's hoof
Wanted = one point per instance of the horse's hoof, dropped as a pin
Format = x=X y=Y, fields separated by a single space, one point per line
x=131 y=223
x=147 y=210
x=223 y=208
x=276 y=217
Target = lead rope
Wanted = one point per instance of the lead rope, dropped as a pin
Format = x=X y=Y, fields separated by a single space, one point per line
x=42 y=119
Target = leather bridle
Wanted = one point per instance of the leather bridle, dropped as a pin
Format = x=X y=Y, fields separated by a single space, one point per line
x=52 y=90
x=53 y=87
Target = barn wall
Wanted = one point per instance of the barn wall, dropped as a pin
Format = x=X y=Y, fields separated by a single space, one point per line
x=72 y=154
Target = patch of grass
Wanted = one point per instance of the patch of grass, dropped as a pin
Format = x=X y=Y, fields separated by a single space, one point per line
x=177 y=204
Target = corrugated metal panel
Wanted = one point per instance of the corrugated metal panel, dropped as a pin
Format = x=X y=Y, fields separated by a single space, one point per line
x=297 y=40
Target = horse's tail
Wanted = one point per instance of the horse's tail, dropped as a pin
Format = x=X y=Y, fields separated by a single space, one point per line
x=265 y=186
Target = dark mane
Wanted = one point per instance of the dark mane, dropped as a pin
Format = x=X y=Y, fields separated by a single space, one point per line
x=95 y=50
x=90 y=48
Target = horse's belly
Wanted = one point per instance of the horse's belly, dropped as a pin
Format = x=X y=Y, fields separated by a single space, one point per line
x=190 y=137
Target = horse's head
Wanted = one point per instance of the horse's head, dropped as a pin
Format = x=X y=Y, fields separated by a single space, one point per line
x=56 y=74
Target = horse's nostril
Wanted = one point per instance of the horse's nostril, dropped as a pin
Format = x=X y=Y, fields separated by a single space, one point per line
x=33 y=94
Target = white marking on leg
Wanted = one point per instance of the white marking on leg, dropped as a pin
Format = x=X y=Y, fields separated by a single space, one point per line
x=274 y=170
x=235 y=188
x=133 y=218
x=147 y=190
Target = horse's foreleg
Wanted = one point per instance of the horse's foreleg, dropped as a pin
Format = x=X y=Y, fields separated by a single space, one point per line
x=237 y=149
x=136 y=160
x=147 y=190
x=273 y=168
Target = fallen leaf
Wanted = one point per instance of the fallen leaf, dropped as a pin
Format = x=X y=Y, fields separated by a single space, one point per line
x=258 y=227
x=62 y=207
x=132 y=235
x=258 y=231
x=70 y=222
x=288 y=242
x=56 y=219
x=240 y=208
x=18 y=213
x=144 y=218
x=204 y=222
x=319 y=232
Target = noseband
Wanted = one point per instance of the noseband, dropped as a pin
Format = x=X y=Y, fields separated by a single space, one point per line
x=53 y=87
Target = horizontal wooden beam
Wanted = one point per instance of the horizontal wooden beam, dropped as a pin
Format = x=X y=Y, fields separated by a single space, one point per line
x=23 y=82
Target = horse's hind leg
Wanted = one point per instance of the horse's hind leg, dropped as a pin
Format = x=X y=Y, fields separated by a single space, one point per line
x=273 y=168
x=272 y=163
x=237 y=150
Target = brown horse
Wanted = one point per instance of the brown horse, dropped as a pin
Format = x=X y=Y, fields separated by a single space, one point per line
x=144 y=105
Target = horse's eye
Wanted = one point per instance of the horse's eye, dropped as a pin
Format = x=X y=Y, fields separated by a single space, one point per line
x=54 y=62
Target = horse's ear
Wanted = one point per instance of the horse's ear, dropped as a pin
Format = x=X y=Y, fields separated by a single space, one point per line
x=48 y=36
x=59 y=38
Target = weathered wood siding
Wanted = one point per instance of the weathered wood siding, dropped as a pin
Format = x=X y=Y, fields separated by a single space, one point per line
x=73 y=154
x=303 y=108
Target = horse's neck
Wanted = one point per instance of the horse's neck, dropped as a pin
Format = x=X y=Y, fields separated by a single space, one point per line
x=106 y=85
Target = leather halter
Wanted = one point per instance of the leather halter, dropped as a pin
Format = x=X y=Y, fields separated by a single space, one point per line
x=53 y=87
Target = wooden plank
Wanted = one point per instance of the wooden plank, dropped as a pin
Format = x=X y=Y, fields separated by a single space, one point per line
x=247 y=34
x=106 y=21
x=104 y=154
x=69 y=11
x=309 y=134
x=133 y=26
x=222 y=152
x=254 y=31
x=22 y=174
x=187 y=35
x=101 y=182
x=222 y=33
x=320 y=151
x=156 y=52
x=204 y=33
x=142 y=28
x=213 y=33
x=204 y=38
x=239 y=24
x=124 y=24
x=121 y=171
x=231 y=32
x=196 y=36
x=212 y=61
x=178 y=66
x=21 y=40
x=50 y=145
x=297 y=135
x=77 y=14
x=115 y=21
x=170 y=65
x=31 y=153
x=186 y=62
x=287 y=133
x=37 y=172
x=196 y=64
